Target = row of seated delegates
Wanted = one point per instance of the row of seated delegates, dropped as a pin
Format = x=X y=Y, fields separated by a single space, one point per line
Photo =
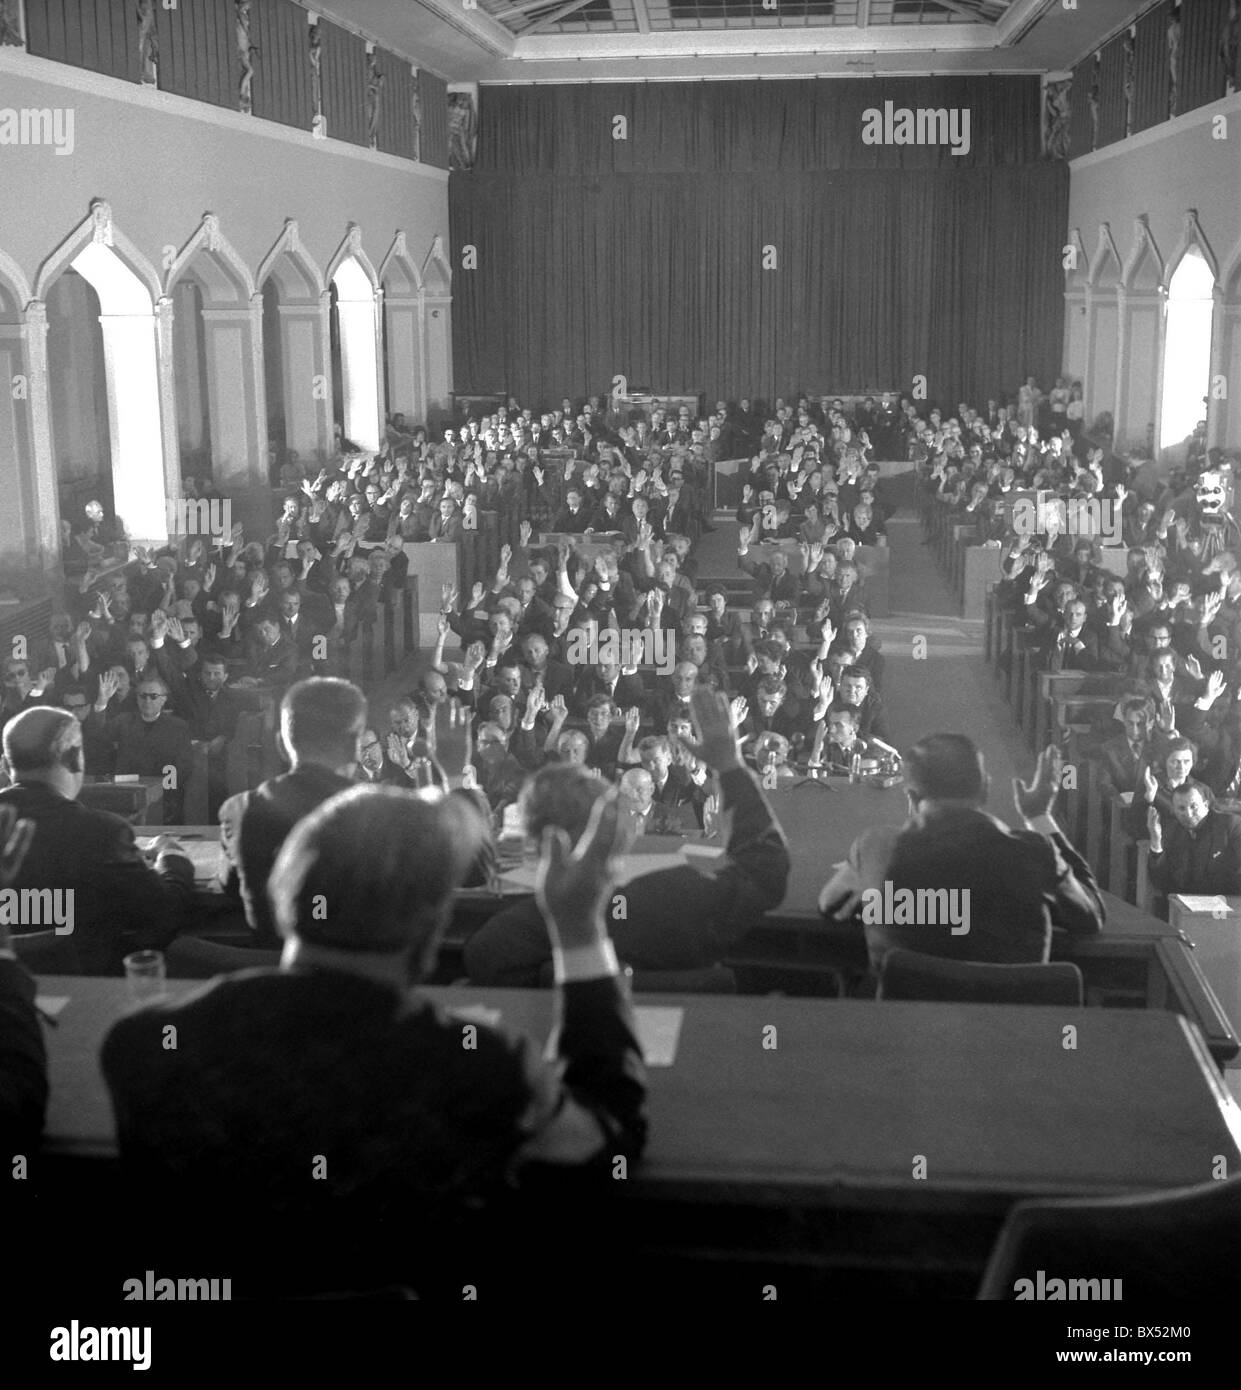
x=388 y=865
x=672 y=919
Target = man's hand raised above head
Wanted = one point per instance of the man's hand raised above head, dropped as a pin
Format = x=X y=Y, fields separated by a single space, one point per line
x=573 y=882
x=1036 y=798
x=717 y=744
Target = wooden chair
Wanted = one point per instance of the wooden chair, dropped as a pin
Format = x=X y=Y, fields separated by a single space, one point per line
x=1170 y=1245
x=913 y=975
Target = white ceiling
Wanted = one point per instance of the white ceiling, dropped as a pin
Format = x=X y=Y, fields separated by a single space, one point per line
x=636 y=40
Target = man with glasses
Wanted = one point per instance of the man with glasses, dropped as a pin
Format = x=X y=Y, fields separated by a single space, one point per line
x=151 y=743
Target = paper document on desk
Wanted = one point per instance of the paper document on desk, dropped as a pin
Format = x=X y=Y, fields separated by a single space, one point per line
x=521 y=879
x=659 y=1031
x=50 y=1004
x=1216 y=906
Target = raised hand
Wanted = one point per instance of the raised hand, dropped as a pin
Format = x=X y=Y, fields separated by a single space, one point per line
x=1154 y=829
x=506 y=554
x=82 y=633
x=1194 y=667
x=739 y=711
x=633 y=720
x=524 y=532
x=1215 y=686
x=559 y=710
x=441 y=626
x=209 y=578
x=476 y=595
x=573 y=883
x=397 y=751
x=475 y=655
x=1149 y=786
x=109 y=684
x=159 y=625
x=1036 y=798
x=536 y=702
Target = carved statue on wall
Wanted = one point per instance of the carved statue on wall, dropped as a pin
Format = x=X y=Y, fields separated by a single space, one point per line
x=1057 y=96
x=462 y=130
x=1093 y=99
x=148 y=44
x=1230 y=46
x=1130 y=77
x=1174 y=61
x=247 y=53
x=318 y=125
x=374 y=99
x=416 y=98
x=11 y=22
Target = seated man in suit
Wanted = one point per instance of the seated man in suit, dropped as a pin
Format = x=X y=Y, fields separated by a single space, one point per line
x=321 y=724
x=1197 y=849
x=120 y=904
x=1124 y=758
x=1021 y=883
x=23 y=1057
x=417 y=1116
x=151 y=743
x=673 y=919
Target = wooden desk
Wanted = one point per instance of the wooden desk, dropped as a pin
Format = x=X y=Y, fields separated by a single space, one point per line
x=1216 y=939
x=836 y=1112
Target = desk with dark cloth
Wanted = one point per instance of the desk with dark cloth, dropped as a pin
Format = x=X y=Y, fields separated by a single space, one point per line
x=829 y=1120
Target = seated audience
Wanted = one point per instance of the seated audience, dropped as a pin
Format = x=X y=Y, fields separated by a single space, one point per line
x=120 y=903
x=1198 y=848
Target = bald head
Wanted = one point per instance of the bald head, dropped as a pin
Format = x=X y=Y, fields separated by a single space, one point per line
x=39 y=741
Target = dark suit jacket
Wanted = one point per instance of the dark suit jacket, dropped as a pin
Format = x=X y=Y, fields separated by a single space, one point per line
x=23 y=1061
x=675 y=919
x=274 y=1067
x=1021 y=885
x=1206 y=861
x=120 y=904
x=1120 y=769
x=253 y=828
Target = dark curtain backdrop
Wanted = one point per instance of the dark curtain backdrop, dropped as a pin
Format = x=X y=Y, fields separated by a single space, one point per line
x=1081 y=126
x=396 y=111
x=344 y=83
x=744 y=127
x=282 y=87
x=198 y=50
x=1112 y=91
x=433 y=93
x=882 y=274
x=97 y=34
x=1150 y=104
x=1202 y=64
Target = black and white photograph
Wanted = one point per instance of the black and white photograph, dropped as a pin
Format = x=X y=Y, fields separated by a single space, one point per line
x=620 y=637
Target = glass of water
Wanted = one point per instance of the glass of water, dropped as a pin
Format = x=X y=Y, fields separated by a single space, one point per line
x=147 y=975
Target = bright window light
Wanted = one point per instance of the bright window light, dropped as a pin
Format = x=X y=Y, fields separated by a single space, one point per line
x=1187 y=349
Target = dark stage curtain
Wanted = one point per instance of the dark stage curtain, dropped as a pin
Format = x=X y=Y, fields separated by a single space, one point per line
x=433 y=95
x=198 y=51
x=396 y=111
x=1081 y=120
x=1150 y=105
x=98 y=34
x=1112 y=92
x=344 y=83
x=745 y=127
x=282 y=87
x=1202 y=63
x=954 y=274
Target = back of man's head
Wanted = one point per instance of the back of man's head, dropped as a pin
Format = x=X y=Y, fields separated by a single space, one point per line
x=373 y=870
x=40 y=741
x=946 y=767
x=321 y=721
x=562 y=795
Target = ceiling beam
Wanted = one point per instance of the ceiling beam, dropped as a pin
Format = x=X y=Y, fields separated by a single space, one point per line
x=509 y=11
x=952 y=5
x=642 y=16
x=559 y=13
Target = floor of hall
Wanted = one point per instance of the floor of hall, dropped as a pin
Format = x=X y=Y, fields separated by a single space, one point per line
x=951 y=689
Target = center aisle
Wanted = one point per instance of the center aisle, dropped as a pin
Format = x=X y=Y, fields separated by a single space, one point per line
x=949 y=689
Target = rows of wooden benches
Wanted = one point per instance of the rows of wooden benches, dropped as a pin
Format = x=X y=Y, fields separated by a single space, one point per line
x=1058 y=707
x=377 y=650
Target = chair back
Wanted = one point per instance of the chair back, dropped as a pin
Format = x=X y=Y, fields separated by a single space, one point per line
x=46 y=953
x=914 y=975
x=1181 y=1244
